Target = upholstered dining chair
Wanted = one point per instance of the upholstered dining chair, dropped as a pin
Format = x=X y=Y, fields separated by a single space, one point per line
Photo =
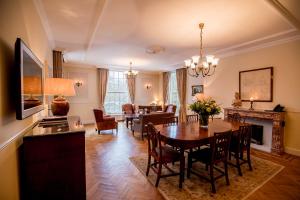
x=161 y=154
x=170 y=108
x=210 y=156
x=104 y=122
x=239 y=144
x=128 y=108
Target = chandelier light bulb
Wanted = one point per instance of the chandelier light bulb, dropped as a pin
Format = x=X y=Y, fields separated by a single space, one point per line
x=215 y=61
x=209 y=59
x=195 y=59
x=205 y=65
x=188 y=63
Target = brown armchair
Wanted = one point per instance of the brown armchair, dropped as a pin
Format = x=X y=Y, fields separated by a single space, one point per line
x=128 y=108
x=170 y=108
x=104 y=122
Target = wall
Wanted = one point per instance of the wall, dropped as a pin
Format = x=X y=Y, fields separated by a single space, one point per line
x=17 y=19
x=285 y=60
x=87 y=95
x=86 y=98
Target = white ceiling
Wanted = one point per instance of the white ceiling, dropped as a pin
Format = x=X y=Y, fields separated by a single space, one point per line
x=110 y=33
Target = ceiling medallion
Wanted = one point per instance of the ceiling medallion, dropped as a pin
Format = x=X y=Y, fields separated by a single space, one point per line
x=197 y=65
x=131 y=73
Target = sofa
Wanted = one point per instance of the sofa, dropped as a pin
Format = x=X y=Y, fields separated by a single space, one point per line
x=140 y=124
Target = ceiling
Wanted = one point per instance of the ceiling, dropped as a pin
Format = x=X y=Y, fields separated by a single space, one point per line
x=111 y=33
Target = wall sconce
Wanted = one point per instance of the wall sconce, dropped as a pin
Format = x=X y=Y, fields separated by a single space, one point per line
x=78 y=83
x=148 y=86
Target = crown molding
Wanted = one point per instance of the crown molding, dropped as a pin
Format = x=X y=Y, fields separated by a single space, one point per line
x=45 y=22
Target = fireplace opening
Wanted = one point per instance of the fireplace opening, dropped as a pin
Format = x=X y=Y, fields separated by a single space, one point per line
x=257 y=134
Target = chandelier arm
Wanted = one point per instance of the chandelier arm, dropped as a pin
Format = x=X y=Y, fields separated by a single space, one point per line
x=191 y=74
x=213 y=71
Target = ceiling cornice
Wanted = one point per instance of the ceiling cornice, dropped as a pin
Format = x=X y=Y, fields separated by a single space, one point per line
x=45 y=22
x=285 y=13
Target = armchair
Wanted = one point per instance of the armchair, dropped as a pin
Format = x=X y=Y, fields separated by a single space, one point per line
x=104 y=122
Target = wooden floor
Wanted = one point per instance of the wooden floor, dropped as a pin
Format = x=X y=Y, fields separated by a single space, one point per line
x=111 y=175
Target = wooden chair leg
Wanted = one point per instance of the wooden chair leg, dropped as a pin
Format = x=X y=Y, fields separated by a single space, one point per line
x=238 y=163
x=188 y=173
x=158 y=174
x=248 y=159
x=226 y=172
x=212 y=180
x=132 y=132
x=148 y=166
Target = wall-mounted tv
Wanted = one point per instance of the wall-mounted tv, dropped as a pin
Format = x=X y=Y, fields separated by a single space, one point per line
x=30 y=82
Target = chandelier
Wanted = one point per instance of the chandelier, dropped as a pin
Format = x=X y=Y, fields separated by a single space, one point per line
x=197 y=65
x=131 y=73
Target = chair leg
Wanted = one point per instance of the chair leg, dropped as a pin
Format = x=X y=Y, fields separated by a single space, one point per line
x=158 y=174
x=132 y=132
x=238 y=163
x=248 y=159
x=142 y=136
x=98 y=131
x=188 y=173
x=212 y=180
x=148 y=166
x=226 y=172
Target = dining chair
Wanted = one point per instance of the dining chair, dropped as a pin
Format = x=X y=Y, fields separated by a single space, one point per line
x=161 y=154
x=192 y=118
x=169 y=121
x=239 y=143
x=236 y=117
x=211 y=156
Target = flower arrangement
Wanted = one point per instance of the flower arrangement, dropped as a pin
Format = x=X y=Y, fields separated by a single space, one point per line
x=204 y=107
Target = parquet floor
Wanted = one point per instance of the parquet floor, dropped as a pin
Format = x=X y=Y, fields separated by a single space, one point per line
x=111 y=175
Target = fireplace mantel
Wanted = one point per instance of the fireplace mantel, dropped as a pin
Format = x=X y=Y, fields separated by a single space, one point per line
x=277 y=119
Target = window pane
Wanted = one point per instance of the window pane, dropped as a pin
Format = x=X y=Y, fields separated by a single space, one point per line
x=173 y=93
x=117 y=92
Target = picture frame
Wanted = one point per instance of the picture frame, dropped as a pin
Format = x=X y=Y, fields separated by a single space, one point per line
x=256 y=83
x=197 y=89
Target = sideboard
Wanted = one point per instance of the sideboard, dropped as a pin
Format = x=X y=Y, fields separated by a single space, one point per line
x=277 y=119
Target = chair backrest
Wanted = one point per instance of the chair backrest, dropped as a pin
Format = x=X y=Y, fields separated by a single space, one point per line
x=128 y=108
x=220 y=145
x=98 y=115
x=245 y=133
x=154 y=142
x=169 y=121
x=170 y=108
x=192 y=118
x=236 y=117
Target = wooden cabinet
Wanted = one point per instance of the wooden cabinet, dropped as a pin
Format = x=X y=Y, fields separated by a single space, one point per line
x=54 y=162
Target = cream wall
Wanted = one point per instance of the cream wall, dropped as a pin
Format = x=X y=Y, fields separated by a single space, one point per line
x=87 y=98
x=285 y=60
x=17 y=19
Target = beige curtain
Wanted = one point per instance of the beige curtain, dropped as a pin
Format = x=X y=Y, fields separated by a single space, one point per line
x=57 y=64
x=131 y=87
x=181 y=77
x=103 y=75
x=166 y=79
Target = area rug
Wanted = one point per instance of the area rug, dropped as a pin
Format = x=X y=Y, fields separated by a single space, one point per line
x=195 y=188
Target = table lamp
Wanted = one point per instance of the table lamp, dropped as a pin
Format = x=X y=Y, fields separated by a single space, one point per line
x=60 y=88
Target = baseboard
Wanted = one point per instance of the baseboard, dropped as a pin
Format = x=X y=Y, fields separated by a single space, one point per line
x=292 y=151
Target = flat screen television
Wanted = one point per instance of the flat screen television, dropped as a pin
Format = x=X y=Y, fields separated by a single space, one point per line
x=29 y=81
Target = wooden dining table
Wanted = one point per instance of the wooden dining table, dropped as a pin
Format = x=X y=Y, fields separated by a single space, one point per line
x=189 y=135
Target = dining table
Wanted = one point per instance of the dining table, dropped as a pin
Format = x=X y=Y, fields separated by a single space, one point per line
x=188 y=135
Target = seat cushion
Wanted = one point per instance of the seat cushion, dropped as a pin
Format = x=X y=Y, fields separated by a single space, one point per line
x=169 y=154
x=202 y=155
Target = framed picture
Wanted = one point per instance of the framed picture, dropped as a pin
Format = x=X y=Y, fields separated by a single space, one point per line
x=256 y=84
x=197 y=89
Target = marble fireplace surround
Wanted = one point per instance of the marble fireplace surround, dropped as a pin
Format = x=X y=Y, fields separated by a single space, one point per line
x=277 y=119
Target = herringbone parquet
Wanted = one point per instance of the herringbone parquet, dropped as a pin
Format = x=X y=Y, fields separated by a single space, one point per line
x=111 y=175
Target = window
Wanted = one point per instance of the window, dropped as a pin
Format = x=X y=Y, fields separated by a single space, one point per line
x=116 y=93
x=173 y=93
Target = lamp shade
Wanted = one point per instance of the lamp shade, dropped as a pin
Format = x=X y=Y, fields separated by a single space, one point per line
x=32 y=85
x=59 y=86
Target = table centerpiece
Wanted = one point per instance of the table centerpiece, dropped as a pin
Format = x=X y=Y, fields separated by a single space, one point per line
x=204 y=107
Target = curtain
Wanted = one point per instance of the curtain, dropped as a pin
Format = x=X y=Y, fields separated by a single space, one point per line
x=181 y=77
x=103 y=75
x=166 y=79
x=57 y=64
x=131 y=87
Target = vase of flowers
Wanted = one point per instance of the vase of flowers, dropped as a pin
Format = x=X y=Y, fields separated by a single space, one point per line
x=204 y=107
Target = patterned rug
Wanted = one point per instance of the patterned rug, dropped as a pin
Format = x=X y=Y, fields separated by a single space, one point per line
x=196 y=188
